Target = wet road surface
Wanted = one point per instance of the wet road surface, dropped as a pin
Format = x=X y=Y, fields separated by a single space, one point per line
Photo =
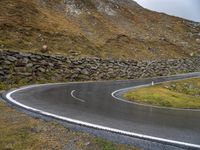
x=92 y=103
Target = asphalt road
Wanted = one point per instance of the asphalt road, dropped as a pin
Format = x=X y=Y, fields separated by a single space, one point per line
x=92 y=104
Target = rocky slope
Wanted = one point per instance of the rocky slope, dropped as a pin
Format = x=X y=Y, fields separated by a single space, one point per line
x=102 y=28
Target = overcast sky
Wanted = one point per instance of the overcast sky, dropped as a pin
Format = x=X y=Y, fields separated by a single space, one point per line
x=189 y=9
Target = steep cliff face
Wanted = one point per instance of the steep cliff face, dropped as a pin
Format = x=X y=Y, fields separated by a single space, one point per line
x=102 y=28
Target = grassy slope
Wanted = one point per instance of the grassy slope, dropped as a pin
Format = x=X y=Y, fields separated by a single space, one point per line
x=20 y=132
x=180 y=94
x=28 y=25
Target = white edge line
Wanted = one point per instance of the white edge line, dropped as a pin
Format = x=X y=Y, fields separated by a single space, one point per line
x=72 y=94
x=113 y=94
x=141 y=136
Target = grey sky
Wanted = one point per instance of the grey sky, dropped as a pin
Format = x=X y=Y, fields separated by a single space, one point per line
x=189 y=9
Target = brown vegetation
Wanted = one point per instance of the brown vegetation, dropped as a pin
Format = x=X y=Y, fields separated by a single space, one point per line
x=119 y=29
x=21 y=132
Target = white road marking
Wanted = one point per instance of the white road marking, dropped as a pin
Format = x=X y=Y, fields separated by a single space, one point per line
x=132 y=134
x=113 y=94
x=72 y=94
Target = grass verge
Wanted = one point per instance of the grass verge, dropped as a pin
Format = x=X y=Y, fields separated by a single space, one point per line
x=178 y=94
x=19 y=131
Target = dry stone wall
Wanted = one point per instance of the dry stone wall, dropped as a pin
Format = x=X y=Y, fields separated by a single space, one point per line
x=29 y=67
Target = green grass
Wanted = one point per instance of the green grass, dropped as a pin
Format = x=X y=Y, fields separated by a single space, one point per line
x=5 y=86
x=180 y=94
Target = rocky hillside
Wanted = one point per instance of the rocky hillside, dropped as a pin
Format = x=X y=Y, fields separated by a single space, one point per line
x=101 y=28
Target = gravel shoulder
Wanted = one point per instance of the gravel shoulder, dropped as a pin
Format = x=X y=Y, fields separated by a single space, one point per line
x=19 y=131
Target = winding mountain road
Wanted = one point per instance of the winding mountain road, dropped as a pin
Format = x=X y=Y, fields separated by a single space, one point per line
x=100 y=105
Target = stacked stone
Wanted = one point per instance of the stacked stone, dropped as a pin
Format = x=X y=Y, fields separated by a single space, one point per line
x=17 y=66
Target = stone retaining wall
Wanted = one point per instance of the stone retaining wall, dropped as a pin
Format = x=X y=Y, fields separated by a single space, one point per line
x=28 y=67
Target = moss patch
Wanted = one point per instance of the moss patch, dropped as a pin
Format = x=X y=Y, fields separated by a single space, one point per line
x=180 y=94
